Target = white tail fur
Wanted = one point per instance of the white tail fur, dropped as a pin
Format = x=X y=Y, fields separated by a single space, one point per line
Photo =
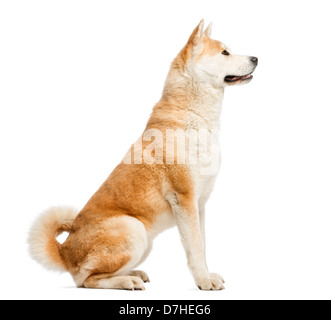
x=43 y=245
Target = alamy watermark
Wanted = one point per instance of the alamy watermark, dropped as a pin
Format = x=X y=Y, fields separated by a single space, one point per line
x=198 y=148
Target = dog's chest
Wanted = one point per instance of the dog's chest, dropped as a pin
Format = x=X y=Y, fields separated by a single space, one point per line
x=206 y=163
x=204 y=173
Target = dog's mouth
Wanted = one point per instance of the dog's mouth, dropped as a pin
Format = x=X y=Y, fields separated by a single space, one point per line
x=232 y=79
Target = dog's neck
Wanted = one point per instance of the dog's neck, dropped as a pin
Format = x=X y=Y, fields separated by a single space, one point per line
x=185 y=91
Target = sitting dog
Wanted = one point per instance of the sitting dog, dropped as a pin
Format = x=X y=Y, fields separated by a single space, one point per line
x=164 y=180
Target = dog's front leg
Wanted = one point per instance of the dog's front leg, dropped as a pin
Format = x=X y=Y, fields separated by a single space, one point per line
x=186 y=214
x=202 y=220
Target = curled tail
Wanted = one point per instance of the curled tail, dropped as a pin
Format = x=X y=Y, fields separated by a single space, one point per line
x=43 y=245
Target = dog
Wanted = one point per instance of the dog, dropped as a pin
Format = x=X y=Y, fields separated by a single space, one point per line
x=154 y=187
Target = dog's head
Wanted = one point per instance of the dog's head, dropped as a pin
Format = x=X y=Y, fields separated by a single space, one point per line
x=214 y=63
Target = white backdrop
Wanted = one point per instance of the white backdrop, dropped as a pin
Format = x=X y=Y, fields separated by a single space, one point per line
x=75 y=75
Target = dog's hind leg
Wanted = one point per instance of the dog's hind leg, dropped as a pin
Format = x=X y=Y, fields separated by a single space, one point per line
x=141 y=274
x=120 y=245
x=104 y=281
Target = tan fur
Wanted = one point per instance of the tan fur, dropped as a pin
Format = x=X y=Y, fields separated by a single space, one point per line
x=186 y=53
x=211 y=47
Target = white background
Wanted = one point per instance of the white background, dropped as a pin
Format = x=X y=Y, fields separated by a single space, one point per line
x=78 y=80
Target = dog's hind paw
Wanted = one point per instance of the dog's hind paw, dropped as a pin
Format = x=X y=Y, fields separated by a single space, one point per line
x=141 y=274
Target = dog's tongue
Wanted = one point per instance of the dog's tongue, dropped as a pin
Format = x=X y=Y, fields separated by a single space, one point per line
x=237 y=78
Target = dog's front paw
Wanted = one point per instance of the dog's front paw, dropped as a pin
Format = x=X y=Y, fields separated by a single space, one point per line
x=216 y=276
x=214 y=282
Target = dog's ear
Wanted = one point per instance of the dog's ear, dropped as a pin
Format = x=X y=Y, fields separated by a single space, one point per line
x=197 y=33
x=208 y=30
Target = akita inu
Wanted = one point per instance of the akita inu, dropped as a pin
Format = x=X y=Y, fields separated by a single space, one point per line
x=114 y=232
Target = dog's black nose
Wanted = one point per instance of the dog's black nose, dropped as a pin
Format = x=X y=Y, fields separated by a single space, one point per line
x=254 y=60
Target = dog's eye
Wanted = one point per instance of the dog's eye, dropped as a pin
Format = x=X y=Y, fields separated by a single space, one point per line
x=226 y=53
